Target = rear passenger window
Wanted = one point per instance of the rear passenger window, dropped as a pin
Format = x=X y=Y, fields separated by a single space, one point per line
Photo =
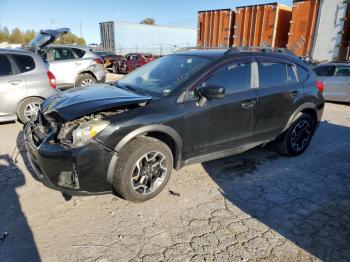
x=62 y=54
x=276 y=74
x=303 y=73
x=234 y=78
x=24 y=63
x=5 y=68
x=343 y=71
x=80 y=53
x=324 y=70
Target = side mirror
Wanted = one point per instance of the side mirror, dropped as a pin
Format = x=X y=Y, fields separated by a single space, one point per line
x=209 y=92
x=212 y=91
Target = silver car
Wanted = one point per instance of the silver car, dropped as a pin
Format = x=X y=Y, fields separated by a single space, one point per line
x=73 y=65
x=336 y=78
x=25 y=82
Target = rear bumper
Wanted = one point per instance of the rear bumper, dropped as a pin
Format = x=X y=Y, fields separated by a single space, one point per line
x=78 y=171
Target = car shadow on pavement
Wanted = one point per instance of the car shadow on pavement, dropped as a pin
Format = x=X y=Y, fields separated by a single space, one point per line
x=305 y=199
x=16 y=238
x=22 y=151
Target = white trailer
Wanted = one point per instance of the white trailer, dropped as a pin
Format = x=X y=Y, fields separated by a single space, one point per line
x=329 y=40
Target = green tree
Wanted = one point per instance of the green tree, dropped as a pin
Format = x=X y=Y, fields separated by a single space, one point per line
x=4 y=36
x=148 y=21
x=70 y=38
x=28 y=36
x=6 y=30
x=16 y=36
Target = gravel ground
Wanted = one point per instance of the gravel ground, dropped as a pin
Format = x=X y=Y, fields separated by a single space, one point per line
x=256 y=206
x=110 y=78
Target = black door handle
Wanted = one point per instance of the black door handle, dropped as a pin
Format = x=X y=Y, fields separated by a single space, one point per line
x=248 y=104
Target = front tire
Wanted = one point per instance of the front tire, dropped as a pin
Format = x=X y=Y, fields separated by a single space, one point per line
x=27 y=108
x=297 y=137
x=143 y=169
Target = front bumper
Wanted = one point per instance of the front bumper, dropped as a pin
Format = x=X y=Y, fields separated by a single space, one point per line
x=75 y=171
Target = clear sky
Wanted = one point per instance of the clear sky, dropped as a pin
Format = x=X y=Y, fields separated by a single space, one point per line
x=43 y=14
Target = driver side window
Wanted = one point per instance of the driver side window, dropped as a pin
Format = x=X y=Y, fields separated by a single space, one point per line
x=234 y=77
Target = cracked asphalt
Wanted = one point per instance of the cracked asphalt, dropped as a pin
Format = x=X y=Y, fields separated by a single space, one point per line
x=257 y=206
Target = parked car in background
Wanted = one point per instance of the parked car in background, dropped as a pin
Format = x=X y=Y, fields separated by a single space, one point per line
x=135 y=60
x=112 y=62
x=72 y=65
x=25 y=82
x=189 y=107
x=336 y=78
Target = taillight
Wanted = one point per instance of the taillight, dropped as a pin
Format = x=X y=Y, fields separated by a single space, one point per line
x=320 y=86
x=99 y=61
x=52 y=79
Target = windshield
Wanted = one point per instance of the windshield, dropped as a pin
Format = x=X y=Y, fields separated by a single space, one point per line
x=164 y=74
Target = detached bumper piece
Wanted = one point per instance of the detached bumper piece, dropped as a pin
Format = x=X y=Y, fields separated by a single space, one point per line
x=75 y=171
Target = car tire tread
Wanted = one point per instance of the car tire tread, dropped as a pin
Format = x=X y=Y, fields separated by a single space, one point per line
x=283 y=145
x=126 y=160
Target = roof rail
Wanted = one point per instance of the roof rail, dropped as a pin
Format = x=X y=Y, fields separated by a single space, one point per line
x=284 y=51
x=238 y=49
x=183 y=49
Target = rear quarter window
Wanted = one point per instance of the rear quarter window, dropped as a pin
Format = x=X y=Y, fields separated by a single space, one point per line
x=343 y=71
x=302 y=73
x=24 y=63
x=324 y=70
x=80 y=53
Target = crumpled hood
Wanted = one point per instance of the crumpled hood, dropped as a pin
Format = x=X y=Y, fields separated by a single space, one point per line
x=77 y=102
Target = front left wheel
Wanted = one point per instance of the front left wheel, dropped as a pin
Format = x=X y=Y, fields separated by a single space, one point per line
x=143 y=169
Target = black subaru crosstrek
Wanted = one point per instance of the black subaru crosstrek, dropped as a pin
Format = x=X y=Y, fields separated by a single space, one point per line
x=192 y=106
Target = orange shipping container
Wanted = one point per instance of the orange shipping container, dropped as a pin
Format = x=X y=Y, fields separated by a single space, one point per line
x=259 y=25
x=215 y=28
x=303 y=25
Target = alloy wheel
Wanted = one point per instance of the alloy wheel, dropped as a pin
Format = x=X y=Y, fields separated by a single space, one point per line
x=87 y=82
x=149 y=172
x=301 y=135
x=31 y=109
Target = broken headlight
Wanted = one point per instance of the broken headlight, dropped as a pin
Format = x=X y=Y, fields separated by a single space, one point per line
x=86 y=131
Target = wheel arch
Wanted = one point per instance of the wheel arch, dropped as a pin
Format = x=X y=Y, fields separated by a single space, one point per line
x=81 y=73
x=166 y=134
x=308 y=108
x=25 y=98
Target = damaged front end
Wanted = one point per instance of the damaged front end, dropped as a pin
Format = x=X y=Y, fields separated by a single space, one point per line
x=62 y=149
x=65 y=156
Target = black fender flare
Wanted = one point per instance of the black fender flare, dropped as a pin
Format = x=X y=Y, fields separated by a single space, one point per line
x=141 y=131
x=297 y=113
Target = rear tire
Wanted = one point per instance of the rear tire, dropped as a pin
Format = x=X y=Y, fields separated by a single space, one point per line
x=85 y=80
x=143 y=169
x=27 y=108
x=297 y=137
